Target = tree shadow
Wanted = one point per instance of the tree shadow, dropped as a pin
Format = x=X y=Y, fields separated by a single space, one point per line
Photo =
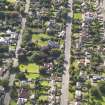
x=69 y=19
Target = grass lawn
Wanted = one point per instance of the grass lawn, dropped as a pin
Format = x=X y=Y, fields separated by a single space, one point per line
x=32 y=67
x=13 y=102
x=17 y=83
x=38 y=38
x=77 y=16
x=103 y=102
x=75 y=64
x=75 y=28
x=12 y=47
x=77 y=4
x=32 y=76
x=45 y=83
x=28 y=103
x=76 y=35
x=43 y=92
x=100 y=101
x=32 y=85
x=44 y=98
x=59 y=84
x=71 y=96
x=11 y=1
x=62 y=42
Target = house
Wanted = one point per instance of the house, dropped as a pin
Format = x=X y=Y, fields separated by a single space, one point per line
x=13 y=35
x=87 y=54
x=32 y=97
x=96 y=78
x=83 y=76
x=21 y=101
x=62 y=34
x=8 y=32
x=53 y=27
x=45 y=48
x=53 y=44
x=3 y=41
x=89 y=16
x=78 y=95
x=23 y=96
x=2 y=72
x=23 y=93
x=49 y=66
x=2 y=6
x=78 y=85
x=23 y=83
x=77 y=103
x=2 y=95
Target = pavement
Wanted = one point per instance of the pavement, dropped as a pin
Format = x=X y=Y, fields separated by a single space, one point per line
x=65 y=76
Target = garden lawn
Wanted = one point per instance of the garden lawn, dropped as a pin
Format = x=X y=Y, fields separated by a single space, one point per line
x=44 y=98
x=76 y=35
x=38 y=37
x=45 y=83
x=13 y=102
x=32 y=67
x=59 y=85
x=75 y=28
x=28 y=103
x=32 y=76
x=11 y=1
x=103 y=102
x=75 y=64
x=77 y=4
x=77 y=16
x=12 y=47
x=71 y=96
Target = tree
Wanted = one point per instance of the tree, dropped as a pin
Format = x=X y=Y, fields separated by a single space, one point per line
x=14 y=93
x=44 y=71
x=38 y=57
x=55 y=52
x=102 y=87
x=26 y=37
x=21 y=76
x=22 y=57
x=96 y=58
x=95 y=93
x=4 y=83
x=30 y=46
x=4 y=49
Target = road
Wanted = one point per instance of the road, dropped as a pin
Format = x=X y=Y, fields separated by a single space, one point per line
x=65 y=76
x=19 y=42
x=104 y=15
x=22 y=28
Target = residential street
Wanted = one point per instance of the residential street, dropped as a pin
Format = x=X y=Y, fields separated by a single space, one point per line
x=19 y=42
x=23 y=27
x=104 y=15
x=65 y=77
